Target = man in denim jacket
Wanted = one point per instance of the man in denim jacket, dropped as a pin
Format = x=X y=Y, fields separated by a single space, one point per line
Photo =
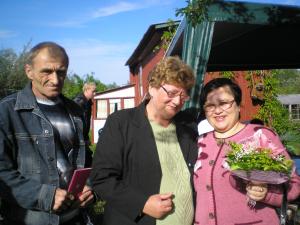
x=41 y=143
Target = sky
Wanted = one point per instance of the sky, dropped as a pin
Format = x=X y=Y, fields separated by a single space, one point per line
x=98 y=35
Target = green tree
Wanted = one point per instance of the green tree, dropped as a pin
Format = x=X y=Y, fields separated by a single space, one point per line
x=289 y=81
x=18 y=79
x=7 y=57
x=275 y=115
x=74 y=83
x=12 y=75
x=112 y=86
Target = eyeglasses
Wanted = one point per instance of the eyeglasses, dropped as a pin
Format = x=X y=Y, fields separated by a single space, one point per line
x=183 y=97
x=223 y=105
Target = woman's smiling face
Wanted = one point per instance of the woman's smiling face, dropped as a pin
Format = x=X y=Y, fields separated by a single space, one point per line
x=221 y=110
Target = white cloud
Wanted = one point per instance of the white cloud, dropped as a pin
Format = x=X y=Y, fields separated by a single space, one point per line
x=7 y=34
x=128 y=6
x=69 y=23
x=115 y=9
x=292 y=2
x=109 y=10
x=106 y=60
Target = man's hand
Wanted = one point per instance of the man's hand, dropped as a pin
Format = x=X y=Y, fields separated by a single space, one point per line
x=62 y=200
x=158 y=205
x=85 y=198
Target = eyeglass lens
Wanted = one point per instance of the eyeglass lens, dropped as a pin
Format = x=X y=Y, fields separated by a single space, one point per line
x=223 y=105
x=171 y=94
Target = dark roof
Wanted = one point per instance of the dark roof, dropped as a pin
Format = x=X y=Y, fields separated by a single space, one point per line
x=151 y=38
x=250 y=36
x=293 y=99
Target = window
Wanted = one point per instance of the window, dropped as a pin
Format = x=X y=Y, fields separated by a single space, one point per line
x=101 y=109
x=141 y=80
x=295 y=112
x=287 y=107
x=128 y=103
x=114 y=104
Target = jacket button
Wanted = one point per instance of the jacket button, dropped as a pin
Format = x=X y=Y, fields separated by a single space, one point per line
x=208 y=187
x=46 y=131
x=211 y=162
x=211 y=216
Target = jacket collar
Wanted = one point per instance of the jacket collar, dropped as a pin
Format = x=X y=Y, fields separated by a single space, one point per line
x=139 y=117
x=26 y=98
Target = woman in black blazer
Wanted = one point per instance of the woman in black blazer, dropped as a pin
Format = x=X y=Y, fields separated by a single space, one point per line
x=144 y=158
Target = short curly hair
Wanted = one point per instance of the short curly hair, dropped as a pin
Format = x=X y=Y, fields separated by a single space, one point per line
x=172 y=70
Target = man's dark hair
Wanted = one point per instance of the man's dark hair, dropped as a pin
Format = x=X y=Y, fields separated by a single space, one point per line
x=54 y=50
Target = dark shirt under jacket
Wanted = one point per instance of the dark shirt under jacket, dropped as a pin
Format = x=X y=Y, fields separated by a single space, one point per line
x=65 y=139
x=86 y=106
x=126 y=168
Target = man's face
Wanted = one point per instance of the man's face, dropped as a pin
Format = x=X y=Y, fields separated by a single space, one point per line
x=47 y=74
x=90 y=92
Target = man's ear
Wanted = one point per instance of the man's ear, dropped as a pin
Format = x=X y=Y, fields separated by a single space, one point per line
x=28 y=71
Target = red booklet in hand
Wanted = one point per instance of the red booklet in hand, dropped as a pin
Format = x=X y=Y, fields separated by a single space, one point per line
x=78 y=181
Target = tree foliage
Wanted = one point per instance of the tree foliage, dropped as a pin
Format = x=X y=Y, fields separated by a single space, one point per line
x=275 y=115
x=271 y=111
x=195 y=11
x=289 y=81
x=167 y=36
x=74 y=83
x=12 y=74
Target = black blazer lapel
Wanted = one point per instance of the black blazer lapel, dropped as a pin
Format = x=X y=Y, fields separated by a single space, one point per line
x=149 y=146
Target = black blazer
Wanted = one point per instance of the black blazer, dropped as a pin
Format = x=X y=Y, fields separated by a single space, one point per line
x=126 y=168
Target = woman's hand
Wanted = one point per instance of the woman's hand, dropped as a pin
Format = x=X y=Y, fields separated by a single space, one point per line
x=256 y=191
x=158 y=205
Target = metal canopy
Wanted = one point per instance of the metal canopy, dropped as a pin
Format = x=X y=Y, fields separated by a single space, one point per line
x=239 y=36
x=251 y=47
x=249 y=36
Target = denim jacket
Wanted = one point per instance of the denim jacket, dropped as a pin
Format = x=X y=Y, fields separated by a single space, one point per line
x=28 y=171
